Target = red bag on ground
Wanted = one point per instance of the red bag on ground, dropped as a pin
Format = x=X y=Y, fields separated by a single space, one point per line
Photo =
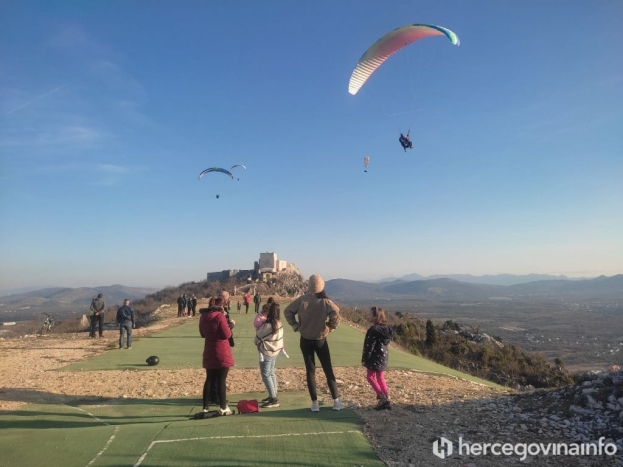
x=248 y=406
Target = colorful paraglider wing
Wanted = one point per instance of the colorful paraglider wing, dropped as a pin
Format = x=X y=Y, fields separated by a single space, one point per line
x=388 y=45
x=215 y=169
x=238 y=165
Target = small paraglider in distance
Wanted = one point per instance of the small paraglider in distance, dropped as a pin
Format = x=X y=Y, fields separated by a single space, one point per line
x=237 y=165
x=366 y=161
x=153 y=360
x=218 y=170
x=405 y=142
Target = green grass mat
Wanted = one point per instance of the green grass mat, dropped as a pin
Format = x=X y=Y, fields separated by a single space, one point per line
x=182 y=347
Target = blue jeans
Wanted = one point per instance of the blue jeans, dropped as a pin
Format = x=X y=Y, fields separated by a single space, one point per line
x=267 y=369
x=127 y=326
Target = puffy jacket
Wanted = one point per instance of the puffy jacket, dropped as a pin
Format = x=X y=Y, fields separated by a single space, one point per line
x=269 y=342
x=317 y=317
x=375 y=353
x=214 y=329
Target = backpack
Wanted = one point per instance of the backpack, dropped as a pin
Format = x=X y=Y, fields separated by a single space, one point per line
x=248 y=406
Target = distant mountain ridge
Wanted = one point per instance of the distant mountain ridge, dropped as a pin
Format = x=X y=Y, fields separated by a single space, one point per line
x=491 y=279
x=445 y=289
x=79 y=297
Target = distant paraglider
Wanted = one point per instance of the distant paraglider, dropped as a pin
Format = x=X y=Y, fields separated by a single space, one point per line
x=366 y=161
x=237 y=165
x=219 y=170
x=216 y=169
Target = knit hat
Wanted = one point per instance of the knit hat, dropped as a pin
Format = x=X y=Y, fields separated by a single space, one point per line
x=316 y=284
x=224 y=295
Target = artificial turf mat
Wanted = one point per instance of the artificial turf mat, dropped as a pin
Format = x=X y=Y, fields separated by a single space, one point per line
x=182 y=347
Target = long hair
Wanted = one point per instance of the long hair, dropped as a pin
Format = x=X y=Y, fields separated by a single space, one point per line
x=379 y=315
x=273 y=315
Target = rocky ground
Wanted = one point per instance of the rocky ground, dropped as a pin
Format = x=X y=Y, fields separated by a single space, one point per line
x=425 y=407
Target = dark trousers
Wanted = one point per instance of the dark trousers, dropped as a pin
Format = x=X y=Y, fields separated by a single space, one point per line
x=246 y=307
x=310 y=348
x=216 y=381
x=95 y=320
x=257 y=308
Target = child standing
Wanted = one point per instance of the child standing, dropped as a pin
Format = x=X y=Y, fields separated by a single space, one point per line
x=239 y=306
x=269 y=341
x=375 y=355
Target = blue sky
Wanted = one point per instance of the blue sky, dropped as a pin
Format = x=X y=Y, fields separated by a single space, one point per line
x=109 y=110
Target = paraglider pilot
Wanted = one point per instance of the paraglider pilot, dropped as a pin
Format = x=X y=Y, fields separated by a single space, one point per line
x=405 y=142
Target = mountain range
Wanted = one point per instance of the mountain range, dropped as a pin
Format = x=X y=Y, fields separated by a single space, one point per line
x=602 y=288
x=65 y=299
x=496 y=279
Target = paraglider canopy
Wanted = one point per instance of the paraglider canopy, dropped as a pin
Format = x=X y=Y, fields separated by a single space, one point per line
x=366 y=161
x=237 y=165
x=388 y=45
x=216 y=169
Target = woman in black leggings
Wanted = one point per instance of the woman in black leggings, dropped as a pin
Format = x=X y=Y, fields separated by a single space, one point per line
x=317 y=317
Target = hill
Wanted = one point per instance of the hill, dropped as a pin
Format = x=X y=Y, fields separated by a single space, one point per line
x=451 y=290
x=63 y=300
x=490 y=279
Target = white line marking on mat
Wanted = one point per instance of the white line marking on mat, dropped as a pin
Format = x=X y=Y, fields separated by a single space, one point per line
x=105 y=446
x=110 y=440
x=153 y=443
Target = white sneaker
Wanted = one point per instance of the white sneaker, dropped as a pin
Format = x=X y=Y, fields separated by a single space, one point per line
x=225 y=411
x=337 y=404
x=315 y=407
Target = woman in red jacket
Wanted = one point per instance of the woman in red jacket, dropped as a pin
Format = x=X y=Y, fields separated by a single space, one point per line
x=217 y=357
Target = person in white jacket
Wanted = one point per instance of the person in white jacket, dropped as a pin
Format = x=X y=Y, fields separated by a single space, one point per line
x=269 y=341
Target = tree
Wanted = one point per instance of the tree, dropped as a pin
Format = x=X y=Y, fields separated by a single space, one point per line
x=431 y=334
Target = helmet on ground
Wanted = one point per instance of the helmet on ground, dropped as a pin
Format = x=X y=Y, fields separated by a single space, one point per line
x=153 y=360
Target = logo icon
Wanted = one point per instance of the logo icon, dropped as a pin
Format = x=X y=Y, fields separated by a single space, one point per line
x=442 y=448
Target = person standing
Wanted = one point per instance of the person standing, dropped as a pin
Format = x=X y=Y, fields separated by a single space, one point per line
x=247 y=302
x=217 y=356
x=97 y=315
x=181 y=305
x=192 y=305
x=375 y=355
x=257 y=299
x=269 y=342
x=317 y=317
x=125 y=318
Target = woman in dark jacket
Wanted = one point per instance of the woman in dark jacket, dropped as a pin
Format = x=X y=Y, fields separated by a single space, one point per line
x=217 y=356
x=375 y=355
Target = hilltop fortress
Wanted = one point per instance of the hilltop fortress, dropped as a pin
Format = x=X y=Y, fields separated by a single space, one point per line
x=267 y=267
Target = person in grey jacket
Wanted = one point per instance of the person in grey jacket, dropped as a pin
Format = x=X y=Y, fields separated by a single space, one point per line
x=97 y=315
x=317 y=317
x=125 y=318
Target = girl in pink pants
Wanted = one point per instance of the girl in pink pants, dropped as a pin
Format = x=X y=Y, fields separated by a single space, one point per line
x=375 y=355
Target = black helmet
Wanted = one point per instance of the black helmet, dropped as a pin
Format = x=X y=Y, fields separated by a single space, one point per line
x=153 y=360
